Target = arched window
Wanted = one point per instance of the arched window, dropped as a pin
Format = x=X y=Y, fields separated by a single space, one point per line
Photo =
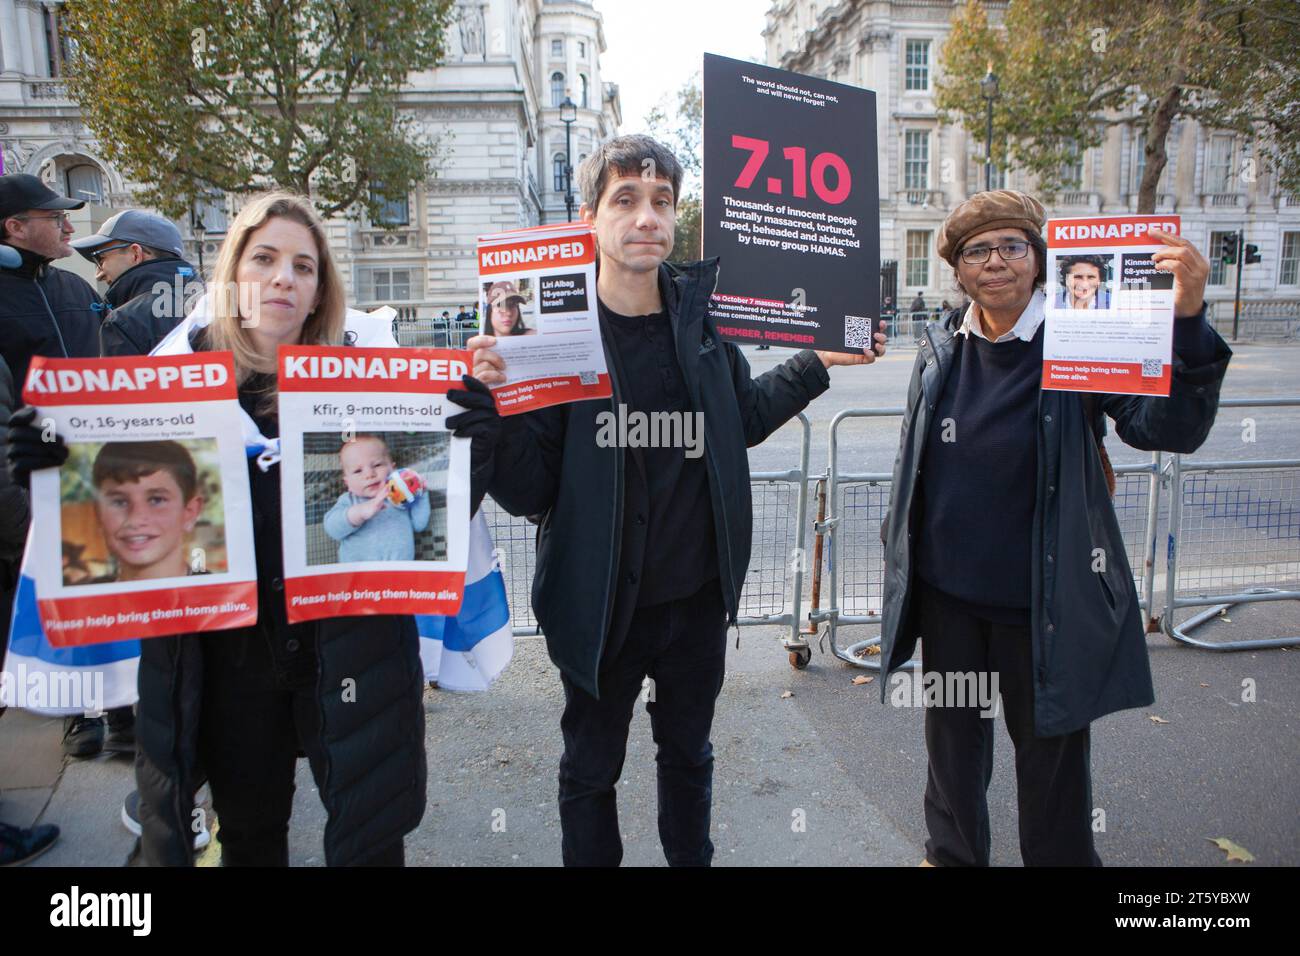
x=583 y=102
x=557 y=88
x=85 y=182
x=557 y=171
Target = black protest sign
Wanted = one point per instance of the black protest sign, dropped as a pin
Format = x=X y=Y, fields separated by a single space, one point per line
x=791 y=206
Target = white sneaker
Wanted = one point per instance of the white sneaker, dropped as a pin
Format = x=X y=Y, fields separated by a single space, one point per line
x=131 y=820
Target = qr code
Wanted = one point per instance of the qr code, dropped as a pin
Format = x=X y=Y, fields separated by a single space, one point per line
x=588 y=378
x=857 y=332
x=1151 y=368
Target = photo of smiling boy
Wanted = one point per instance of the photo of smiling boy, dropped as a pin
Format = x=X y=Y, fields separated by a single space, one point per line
x=147 y=501
x=367 y=525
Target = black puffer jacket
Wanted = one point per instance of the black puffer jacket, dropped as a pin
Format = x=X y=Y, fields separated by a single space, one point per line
x=147 y=302
x=549 y=463
x=45 y=311
x=375 y=768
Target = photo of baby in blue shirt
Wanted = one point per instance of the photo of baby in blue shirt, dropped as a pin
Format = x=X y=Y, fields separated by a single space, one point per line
x=365 y=520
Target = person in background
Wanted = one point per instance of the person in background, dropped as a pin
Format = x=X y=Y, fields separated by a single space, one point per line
x=49 y=311
x=150 y=284
x=17 y=844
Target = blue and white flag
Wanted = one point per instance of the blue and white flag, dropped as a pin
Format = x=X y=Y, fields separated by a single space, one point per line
x=468 y=651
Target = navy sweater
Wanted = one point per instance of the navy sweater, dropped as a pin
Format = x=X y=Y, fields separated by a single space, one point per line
x=979 y=478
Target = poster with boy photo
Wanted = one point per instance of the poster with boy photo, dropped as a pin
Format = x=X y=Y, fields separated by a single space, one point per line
x=146 y=529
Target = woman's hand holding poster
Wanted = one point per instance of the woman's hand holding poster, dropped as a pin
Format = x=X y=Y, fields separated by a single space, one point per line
x=375 y=491
x=145 y=530
x=1110 y=312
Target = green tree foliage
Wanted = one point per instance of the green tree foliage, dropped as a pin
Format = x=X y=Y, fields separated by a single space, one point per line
x=189 y=97
x=1068 y=71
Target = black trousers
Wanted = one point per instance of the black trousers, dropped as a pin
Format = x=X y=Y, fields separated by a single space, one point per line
x=259 y=711
x=681 y=646
x=1053 y=776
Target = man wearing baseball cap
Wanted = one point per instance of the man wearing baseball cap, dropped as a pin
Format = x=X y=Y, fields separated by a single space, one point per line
x=45 y=311
x=149 y=281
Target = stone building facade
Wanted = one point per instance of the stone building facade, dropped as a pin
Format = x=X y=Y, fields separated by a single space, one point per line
x=493 y=104
x=926 y=167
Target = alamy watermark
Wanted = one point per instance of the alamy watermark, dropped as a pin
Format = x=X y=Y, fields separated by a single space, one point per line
x=635 y=429
x=946 y=689
x=67 y=690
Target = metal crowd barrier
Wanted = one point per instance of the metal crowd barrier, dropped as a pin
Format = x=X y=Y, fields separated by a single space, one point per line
x=859 y=502
x=773 y=588
x=432 y=333
x=1235 y=523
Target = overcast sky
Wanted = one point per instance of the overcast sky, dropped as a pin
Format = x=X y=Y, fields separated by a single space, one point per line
x=655 y=45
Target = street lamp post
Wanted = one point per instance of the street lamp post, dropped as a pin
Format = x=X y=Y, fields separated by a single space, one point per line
x=989 y=90
x=568 y=116
x=200 y=230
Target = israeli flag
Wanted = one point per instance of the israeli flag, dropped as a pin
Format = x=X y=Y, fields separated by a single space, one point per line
x=62 y=681
x=468 y=651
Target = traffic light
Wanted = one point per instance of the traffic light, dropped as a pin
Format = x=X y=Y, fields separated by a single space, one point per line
x=1252 y=254
x=1228 y=249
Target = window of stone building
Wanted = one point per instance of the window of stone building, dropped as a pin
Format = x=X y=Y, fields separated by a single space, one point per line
x=582 y=83
x=393 y=211
x=1072 y=169
x=85 y=182
x=58 y=47
x=1289 y=270
x=557 y=48
x=557 y=88
x=918 y=257
x=558 y=178
x=388 y=284
x=1218 y=164
x=211 y=211
x=916 y=159
x=916 y=75
x=582 y=49
x=1218 y=271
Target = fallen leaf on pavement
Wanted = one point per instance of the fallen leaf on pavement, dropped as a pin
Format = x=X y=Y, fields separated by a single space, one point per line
x=863 y=679
x=1157 y=720
x=1203 y=684
x=787 y=693
x=1239 y=853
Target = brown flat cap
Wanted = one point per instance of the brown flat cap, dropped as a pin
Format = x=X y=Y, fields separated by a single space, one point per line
x=996 y=209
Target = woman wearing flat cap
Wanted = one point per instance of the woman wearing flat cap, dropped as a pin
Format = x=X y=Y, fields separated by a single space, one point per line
x=1002 y=550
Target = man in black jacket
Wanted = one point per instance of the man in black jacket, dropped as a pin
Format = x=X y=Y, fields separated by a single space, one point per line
x=45 y=311
x=642 y=551
x=150 y=284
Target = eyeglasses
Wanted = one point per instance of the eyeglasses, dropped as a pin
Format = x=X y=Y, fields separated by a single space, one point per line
x=62 y=218
x=98 y=254
x=1008 y=250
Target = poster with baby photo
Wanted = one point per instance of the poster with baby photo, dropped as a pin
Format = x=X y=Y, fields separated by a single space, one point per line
x=145 y=530
x=375 y=491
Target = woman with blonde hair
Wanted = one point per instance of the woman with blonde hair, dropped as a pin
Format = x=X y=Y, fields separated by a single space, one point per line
x=238 y=706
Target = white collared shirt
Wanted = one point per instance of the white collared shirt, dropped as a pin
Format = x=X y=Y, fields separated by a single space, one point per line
x=1026 y=326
